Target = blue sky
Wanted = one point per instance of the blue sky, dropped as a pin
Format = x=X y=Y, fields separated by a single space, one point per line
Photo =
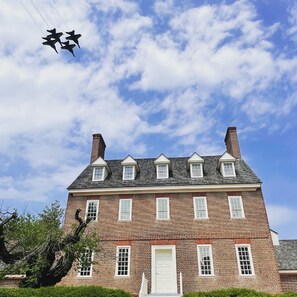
x=153 y=77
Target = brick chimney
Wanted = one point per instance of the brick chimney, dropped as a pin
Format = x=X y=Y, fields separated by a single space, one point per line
x=98 y=147
x=231 y=142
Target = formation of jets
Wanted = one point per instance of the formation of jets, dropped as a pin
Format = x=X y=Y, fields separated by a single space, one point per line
x=55 y=37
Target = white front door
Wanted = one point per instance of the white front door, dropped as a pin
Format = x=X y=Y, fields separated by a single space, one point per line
x=164 y=270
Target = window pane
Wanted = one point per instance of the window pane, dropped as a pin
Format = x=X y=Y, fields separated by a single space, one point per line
x=162 y=171
x=123 y=261
x=236 y=207
x=196 y=170
x=92 y=210
x=205 y=260
x=244 y=258
x=125 y=209
x=200 y=208
x=85 y=267
x=228 y=169
x=128 y=172
x=163 y=209
x=98 y=173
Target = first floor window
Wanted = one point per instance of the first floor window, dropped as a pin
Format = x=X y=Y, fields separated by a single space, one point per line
x=92 y=209
x=125 y=210
x=123 y=261
x=163 y=209
x=236 y=207
x=200 y=208
x=205 y=261
x=85 y=263
x=244 y=259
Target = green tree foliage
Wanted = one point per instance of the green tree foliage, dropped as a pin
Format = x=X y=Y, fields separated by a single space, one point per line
x=37 y=247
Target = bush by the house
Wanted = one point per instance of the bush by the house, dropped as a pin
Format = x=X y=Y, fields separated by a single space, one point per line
x=85 y=291
x=237 y=293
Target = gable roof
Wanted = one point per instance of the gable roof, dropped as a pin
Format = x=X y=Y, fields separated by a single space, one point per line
x=286 y=254
x=195 y=158
x=179 y=175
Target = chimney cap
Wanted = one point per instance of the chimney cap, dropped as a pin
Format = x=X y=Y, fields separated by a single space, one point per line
x=99 y=135
x=229 y=129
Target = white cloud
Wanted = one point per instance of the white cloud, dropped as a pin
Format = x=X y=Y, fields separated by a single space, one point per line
x=280 y=215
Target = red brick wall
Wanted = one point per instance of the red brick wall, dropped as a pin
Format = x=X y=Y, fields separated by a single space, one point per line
x=185 y=231
x=289 y=282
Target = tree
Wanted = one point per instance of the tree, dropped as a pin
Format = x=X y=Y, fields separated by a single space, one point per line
x=37 y=247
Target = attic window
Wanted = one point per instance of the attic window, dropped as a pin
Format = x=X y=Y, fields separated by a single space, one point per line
x=162 y=171
x=128 y=172
x=226 y=165
x=130 y=168
x=228 y=169
x=196 y=170
x=98 y=173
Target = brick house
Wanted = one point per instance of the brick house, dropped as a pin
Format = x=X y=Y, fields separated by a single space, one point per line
x=174 y=225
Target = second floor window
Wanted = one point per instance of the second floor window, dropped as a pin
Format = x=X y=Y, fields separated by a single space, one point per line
x=163 y=209
x=125 y=210
x=205 y=260
x=200 y=208
x=236 y=207
x=92 y=209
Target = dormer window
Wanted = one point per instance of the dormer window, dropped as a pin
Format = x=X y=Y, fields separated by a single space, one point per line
x=98 y=173
x=100 y=170
x=162 y=171
x=128 y=172
x=130 y=168
x=226 y=165
x=196 y=166
x=162 y=167
x=228 y=169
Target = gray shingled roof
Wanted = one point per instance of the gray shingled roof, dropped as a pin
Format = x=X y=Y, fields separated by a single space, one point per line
x=286 y=253
x=179 y=175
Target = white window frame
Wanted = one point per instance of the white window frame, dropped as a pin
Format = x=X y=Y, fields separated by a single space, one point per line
x=196 y=210
x=97 y=209
x=199 y=259
x=120 y=210
x=157 y=208
x=248 y=246
x=167 y=171
x=231 y=209
x=233 y=169
x=117 y=262
x=91 y=265
x=103 y=173
x=124 y=172
x=192 y=172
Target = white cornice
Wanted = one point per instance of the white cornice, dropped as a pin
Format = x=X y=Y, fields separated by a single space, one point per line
x=288 y=271
x=166 y=189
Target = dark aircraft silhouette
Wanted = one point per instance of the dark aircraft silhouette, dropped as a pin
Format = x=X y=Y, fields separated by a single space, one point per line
x=69 y=47
x=55 y=35
x=73 y=37
x=51 y=42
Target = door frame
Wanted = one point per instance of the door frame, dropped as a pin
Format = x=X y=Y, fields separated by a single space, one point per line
x=154 y=248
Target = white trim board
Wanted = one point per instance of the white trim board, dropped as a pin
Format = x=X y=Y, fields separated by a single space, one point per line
x=166 y=189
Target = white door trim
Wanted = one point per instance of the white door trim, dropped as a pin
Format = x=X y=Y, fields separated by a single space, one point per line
x=154 y=248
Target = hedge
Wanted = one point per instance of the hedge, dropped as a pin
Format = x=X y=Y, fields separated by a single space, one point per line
x=237 y=293
x=83 y=291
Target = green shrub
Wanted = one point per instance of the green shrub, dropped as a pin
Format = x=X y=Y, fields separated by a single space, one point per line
x=84 y=291
x=234 y=292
